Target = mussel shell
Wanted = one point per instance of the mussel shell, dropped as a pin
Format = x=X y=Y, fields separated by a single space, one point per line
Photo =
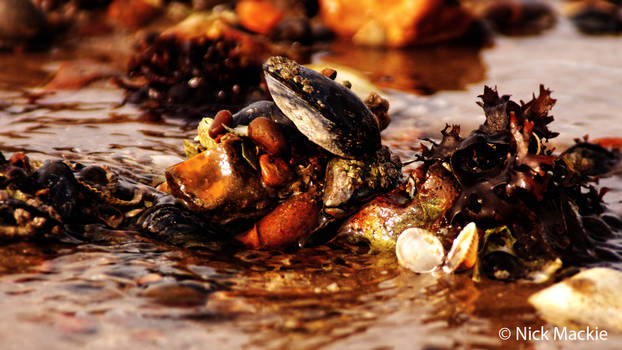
x=326 y=112
x=258 y=109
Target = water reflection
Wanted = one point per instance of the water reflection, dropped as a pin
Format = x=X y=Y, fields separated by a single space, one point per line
x=135 y=292
x=421 y=70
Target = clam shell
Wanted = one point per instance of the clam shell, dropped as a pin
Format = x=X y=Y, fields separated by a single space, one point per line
x=419 y=250
x=326 y=112
x=463 y=252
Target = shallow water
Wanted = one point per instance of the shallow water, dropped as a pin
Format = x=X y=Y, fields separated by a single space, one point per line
x=126 y=291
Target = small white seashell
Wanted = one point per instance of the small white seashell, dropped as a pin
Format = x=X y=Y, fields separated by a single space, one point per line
x=419 y=250
x=463 y=252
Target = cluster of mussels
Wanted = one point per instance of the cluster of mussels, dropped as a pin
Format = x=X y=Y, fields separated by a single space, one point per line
x=289 y=168
x=176 y=76
x=61 y=200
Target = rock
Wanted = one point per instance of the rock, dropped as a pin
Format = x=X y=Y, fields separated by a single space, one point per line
x=223 y=118
x=395 y=23
x=177 y=294
x=349 y=180
x=274 y=170
x=589 y=298
x=219 y=182
x=595 y=16
x=21 y=22
x=519 y=17
x=133 y=14
x=382 y=219
x=259 y=16
x=266 y=134
x=290 y=222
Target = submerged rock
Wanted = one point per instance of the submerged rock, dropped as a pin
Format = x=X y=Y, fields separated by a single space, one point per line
x=589 y=298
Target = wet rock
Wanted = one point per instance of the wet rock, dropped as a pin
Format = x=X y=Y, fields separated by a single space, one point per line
x=259 y=16
x=219 y=182
x=382 y=219
x=595 y=16
x=519 y=17
x=351 y=179
x=133 y=14
x=380 y=108
x=395 y=23
x=266 y=134
x=589 y=298
x=290 y=222
x=177 y=294
x=274 y=170
x=294 y=30
x=21 y=23
x=221 y=119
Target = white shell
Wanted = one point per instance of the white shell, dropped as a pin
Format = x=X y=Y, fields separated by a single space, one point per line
x=463 y=252
x=419 y=250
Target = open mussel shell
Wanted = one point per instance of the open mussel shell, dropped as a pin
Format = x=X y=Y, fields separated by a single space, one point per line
x=327 y=113
x=463 y=252
x=419 y=250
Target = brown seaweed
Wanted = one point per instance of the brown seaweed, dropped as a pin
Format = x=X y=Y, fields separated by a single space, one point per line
x=510 y=177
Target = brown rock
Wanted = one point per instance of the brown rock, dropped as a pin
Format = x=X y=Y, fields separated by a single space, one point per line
x=223 y=118
x=283 y=227
x=274 y=170
x=267 y=135
x=133 y=14
x=219 y=183
x=259 y=16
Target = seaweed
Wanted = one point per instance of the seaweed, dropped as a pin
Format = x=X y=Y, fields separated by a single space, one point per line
x=510 y=178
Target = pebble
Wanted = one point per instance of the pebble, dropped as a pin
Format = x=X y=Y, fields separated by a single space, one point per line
x=274 y=170
x=222 y=118
x=259 y=16
x=283 y=227
x=266 y=134
x=589 y=298
x=177 y=294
